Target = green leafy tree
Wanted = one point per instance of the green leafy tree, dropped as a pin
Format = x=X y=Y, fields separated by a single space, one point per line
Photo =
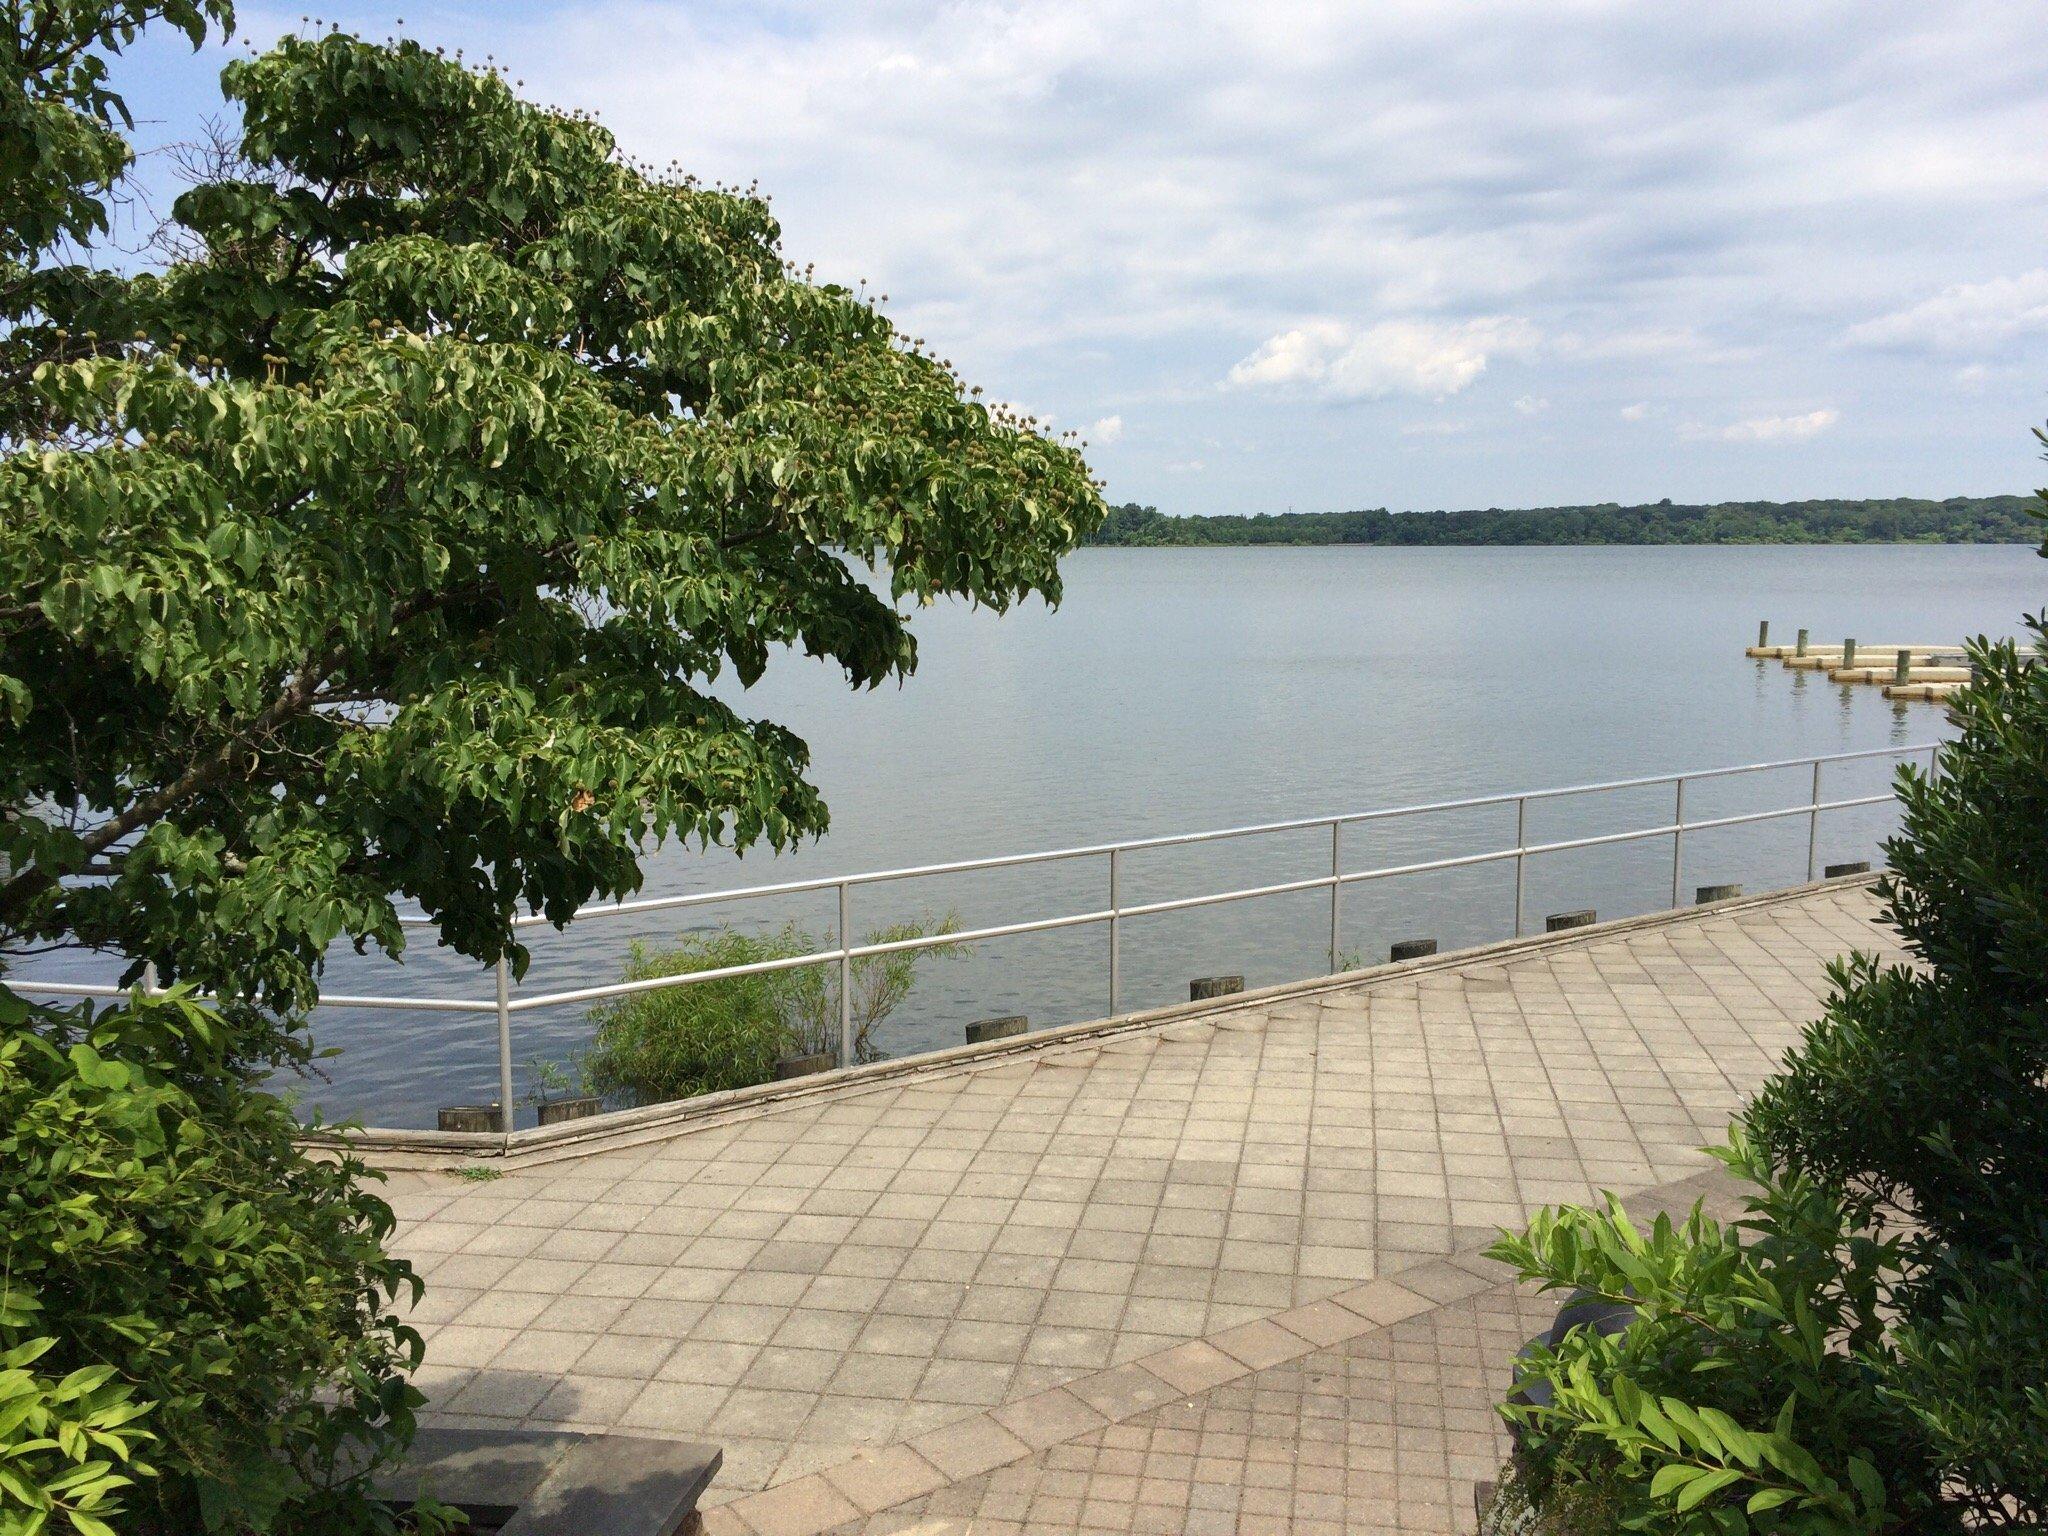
x=1868 y=1351
x=385 y=546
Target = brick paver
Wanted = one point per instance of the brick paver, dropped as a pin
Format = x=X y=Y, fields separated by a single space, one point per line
x=1007 y=1263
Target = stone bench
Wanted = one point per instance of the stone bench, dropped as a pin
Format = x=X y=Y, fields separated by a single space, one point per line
x=520 y=1482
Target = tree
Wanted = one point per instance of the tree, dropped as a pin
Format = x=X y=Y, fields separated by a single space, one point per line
x=1868 y=1352
x=385 y=546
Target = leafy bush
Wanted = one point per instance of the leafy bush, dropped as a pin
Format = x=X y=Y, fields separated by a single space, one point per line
x=193 y=1317
x=1868 y=1351
x=677 y=1042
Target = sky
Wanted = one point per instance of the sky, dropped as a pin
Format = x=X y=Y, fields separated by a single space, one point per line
x=1414 y=254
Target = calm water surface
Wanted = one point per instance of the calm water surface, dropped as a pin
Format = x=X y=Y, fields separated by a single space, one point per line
x=1176 y=690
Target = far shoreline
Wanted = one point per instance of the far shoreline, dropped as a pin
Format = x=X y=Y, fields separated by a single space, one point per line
x=1993 y=520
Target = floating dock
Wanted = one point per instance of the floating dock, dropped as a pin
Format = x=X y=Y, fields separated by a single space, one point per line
x=1929 y=670
x=1934 y=693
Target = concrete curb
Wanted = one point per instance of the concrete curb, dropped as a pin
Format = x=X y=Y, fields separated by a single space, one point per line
x=431 y=1150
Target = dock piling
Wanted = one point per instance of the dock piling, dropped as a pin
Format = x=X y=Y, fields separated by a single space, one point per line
x=1799 y=649
x=981 y=1031
x=1763 y=632
x=1849 y=652
x=1901 y=675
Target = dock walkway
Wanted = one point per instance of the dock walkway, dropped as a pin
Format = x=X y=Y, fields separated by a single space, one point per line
x=1213 y=1274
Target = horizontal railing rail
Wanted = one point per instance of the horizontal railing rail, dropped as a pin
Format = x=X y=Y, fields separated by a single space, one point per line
x=509 y=1000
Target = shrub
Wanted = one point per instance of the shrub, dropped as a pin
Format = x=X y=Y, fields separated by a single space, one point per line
x=677 y=1042
x=1868 y=1351
x=192 y=1316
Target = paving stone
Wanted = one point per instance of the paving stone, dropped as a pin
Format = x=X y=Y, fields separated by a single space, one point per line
x=878 y=1480
x=906 y=1259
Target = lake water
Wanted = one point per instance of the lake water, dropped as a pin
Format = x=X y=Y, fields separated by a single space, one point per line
x=1178 y=690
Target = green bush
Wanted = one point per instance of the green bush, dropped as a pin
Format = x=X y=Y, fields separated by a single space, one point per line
x=192 y=1316
x=1868 y=1351
x=677 y=1042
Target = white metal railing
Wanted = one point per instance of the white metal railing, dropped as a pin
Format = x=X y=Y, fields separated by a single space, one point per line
x=509 y=1000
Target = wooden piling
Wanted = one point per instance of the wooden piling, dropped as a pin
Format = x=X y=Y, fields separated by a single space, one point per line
x=469 y=1117
x=804 y=1066
x=1763 y=633
x=560 y=1111
x=1903 y=672
x=981 y=1031
x=1849 y=652
x=1800 y=647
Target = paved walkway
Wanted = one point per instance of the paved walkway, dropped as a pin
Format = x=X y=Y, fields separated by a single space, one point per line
x=1211 y=1275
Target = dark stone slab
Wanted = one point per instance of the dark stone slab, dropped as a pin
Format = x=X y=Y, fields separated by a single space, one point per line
x=981 y=1031
x=619 y=1485
x=1707 y=893
x=1557 y=922
x=1214 y=986
x=487 y=1472
x=1836 y=871
x=520 y=1482
x=1580 y=1310
x=1411 y=949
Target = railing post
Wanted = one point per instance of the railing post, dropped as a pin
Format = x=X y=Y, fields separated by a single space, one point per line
x=1336 y=893
x=505 y=1050
x=1813 y=826
x=1521 y=842
x=1116 y=957
x=1677 y=840
x=845 y=983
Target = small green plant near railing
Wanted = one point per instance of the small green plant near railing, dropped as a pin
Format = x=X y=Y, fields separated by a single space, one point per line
x=711 y=1036
x=549 y=1081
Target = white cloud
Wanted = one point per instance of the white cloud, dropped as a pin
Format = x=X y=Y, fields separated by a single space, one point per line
x=1532 y=405
x=1107 y=430
x=1964 y=317
x=1768 y=429
x=1089 y=200
x=1435 y=428
x=1411 y=357
x=1640 y=411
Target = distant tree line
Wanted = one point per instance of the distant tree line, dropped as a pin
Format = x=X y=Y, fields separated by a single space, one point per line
x=1898 y=520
